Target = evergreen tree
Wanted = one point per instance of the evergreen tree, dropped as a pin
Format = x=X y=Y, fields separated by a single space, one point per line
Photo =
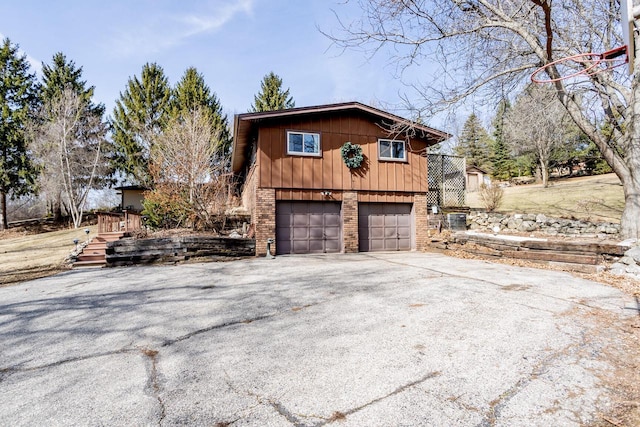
x=63 y=74
x=501 y=159
x=271 y=96
x=18 y=97
x=474 y=143
x=139 y=116
x=192 y=93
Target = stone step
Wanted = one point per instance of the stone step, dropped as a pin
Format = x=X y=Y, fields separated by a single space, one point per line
x=95 y=246
x=94 y=251
x=94 y=254
x=108 y=237
x=87 y=264
x=92 y=257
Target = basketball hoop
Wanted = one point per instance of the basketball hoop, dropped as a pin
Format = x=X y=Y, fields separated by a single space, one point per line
x=587 y=64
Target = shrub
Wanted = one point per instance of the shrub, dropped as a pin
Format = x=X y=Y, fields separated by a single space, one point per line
x=163 y=209
x=491 y=196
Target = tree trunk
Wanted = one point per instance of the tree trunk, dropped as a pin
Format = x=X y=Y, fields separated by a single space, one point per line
x=3 y=211
x=56 y=209
x=630 y=221
x=544 y=173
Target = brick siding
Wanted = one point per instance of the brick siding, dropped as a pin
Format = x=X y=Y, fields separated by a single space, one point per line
x=264 y=219
x=420 y=215
x=350 y=221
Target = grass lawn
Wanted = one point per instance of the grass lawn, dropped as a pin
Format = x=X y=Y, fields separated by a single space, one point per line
x=29 y=256
x=595 y=198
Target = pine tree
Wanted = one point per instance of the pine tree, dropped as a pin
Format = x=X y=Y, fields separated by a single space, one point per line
x=474 y=143
x=63 y=74
x=271 y=96
x=501 y=159
x=139 y=116
x=18 y=98
x=192 y=93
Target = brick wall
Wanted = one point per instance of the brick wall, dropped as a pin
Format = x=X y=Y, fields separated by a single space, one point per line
x=420 y=215
x=264 y=219
x=350 y=221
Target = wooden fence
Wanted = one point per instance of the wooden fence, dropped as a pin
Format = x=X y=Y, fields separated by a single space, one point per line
x=111 y=222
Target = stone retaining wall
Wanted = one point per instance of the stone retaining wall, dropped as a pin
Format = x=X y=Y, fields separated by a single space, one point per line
x=531 y=223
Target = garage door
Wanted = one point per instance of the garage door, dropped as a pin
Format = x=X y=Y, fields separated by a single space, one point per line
x=307 y=227
x=384 y=226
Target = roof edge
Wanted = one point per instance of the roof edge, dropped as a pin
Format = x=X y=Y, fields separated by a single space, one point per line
x=337 y=107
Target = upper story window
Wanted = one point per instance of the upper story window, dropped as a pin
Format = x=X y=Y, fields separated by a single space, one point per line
x=389 y=149
x=303 y=143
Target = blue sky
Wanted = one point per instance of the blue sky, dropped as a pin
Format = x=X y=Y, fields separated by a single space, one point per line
x=233 y=43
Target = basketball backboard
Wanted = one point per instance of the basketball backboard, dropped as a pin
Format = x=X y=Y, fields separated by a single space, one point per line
x=626 y=12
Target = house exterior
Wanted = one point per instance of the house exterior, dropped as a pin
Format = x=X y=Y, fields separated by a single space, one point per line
x=300 y=192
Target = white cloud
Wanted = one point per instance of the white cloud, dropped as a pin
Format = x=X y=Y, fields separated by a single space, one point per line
x=197 y=24
x=170 y=29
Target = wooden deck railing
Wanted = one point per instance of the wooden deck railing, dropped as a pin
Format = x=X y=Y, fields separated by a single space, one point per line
x=110 y=222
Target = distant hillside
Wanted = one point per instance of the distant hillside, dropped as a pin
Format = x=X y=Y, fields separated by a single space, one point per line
x=598 y=198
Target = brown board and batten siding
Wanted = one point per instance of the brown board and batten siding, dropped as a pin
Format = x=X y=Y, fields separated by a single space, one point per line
x=327 y=172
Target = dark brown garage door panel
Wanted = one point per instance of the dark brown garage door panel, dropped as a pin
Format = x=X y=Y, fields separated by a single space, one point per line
x=384 y=227
x=307 y=227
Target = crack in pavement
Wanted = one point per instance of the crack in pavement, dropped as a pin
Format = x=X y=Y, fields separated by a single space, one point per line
x=393 y=393
x=260 y=400
x=153 y=376
x=341 y=415
x=246 y=321
x=497 y=405
x=6 y=371
x=286 y=414
x=295 y=419
x=185 y=337
x=153 y=381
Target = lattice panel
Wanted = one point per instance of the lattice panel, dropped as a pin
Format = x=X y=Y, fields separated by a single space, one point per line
x=446 y=180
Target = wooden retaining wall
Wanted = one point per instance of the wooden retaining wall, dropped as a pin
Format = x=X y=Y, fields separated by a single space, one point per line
x=174 y=249
x=581 y=256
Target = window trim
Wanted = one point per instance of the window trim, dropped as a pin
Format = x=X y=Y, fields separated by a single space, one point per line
x=302 y=153
x=393 y=159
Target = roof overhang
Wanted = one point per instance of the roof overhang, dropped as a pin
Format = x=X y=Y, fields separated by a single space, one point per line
x=131 y=187
x=243 y=125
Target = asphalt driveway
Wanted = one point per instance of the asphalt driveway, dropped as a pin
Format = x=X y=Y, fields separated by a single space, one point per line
x=355 y=340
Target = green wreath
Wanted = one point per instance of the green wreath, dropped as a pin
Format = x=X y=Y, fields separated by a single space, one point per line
x=352 y=155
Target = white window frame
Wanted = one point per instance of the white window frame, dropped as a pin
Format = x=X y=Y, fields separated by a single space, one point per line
x=302 y=153
x=392 y=159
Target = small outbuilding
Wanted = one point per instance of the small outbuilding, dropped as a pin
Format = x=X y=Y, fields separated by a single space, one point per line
x=131 y=197
x=476 y=177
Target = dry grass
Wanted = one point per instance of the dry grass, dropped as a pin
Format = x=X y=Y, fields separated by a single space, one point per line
x=596 y=198
x=29 y=256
